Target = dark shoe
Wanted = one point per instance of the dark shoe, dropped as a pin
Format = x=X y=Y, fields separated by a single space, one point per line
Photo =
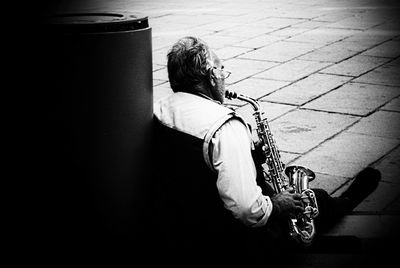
x=363 y=185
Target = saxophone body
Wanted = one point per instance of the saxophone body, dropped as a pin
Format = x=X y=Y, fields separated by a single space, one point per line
x=301 y=226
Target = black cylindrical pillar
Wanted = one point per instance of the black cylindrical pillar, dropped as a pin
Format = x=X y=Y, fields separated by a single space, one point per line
x=97 y=104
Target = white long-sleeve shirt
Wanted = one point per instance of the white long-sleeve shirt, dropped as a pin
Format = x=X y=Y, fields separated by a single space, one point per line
x=230 y=151
x=231 y=158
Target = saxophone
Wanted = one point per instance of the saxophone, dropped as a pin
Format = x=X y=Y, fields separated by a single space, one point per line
x=301 y=226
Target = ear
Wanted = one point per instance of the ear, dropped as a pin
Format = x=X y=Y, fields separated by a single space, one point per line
x=212 y=77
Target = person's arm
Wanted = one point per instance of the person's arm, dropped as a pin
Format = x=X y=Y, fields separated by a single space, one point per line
x=231 y=158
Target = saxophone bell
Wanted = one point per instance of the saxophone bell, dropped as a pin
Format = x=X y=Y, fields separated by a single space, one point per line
x=299 y=177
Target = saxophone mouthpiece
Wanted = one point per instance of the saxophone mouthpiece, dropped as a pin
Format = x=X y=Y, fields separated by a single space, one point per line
x=230 y=95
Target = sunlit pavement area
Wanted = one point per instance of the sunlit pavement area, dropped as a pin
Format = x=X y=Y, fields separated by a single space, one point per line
x=327 y=74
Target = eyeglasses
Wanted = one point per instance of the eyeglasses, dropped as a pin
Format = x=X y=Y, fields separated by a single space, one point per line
x=224 y=73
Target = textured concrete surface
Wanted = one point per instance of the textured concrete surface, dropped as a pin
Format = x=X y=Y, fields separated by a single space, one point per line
x=327 y=73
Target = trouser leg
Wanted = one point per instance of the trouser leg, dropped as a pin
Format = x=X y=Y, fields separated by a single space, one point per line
x=331 y=209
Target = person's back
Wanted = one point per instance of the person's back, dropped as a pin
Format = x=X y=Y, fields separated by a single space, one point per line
x=192 y=216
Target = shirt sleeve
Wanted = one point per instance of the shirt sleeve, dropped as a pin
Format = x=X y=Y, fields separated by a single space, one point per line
x=236 y=183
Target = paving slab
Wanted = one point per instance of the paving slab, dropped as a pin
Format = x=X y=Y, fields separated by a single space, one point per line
x=276 y=23
x=287 y=158
x=329 y=183
x=370 y=38
x=354 y=98
x=381 y=199
x=361 y=21
x=218 y=25
x=244 y=68
x=288 y=32
x=301 y=130
x=347 y=153
x=157 y=67
x=385 y=200
x=310 y=24
x=256 y=88
x=160 y=56
x=334 y=53
x=164 y=28
x=280 y=51
x=271 y=110
x=393 y=105
x=260 y=41
x=307 y=89
x=166 y=38
x=323 y=35
x=355 y=66
x=391 y=27
x=389 y=49
x=218 y=41
x=381 y=124
x=248 y=30
x=293 y=70
x=250 y=15
x=161 y=74
x=387 y=74
x=335 y=14
x=301 y=10
x=228 y=52
x=394 y=206
x=390 y=167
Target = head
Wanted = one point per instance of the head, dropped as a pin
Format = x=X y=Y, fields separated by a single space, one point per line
x=194 y=68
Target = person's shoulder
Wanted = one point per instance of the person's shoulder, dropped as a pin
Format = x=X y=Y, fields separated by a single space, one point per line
x=235 y=122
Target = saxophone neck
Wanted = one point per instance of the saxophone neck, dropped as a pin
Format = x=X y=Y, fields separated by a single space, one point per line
x=234 y=95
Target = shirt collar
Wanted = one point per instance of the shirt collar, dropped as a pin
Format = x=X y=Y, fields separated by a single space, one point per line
x=207 y=97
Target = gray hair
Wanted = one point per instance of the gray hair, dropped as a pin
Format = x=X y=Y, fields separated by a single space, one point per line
x=188 y=64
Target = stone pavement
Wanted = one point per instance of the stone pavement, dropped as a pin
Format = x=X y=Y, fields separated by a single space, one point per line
x=327 y=73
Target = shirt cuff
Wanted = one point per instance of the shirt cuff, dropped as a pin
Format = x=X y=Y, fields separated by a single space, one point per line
x=266 y=207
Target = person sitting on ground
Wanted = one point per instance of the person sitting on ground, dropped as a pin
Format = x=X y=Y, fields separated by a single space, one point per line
x=208 y=199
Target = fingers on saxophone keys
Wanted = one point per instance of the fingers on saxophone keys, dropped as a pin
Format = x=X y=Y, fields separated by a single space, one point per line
x=297 y=196
x=299 y=209
x=298 y=205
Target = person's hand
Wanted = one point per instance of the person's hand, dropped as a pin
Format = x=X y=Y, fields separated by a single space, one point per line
x=258 y=153
x=286 y=203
